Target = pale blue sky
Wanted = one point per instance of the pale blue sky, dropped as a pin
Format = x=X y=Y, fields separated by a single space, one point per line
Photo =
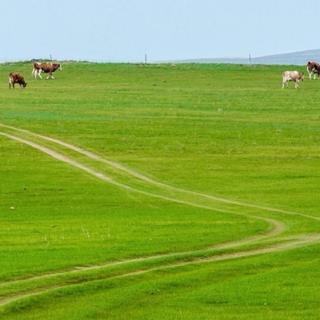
x=123 y=30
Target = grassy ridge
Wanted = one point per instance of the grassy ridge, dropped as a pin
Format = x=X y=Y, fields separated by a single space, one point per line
x=225 y=130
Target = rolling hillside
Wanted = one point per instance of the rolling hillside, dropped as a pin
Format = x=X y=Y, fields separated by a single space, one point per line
x=294 y=58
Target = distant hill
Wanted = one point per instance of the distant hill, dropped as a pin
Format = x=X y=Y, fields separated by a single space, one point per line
x=294 y=58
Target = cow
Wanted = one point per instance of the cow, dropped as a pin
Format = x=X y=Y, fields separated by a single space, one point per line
x=294 y=76
x=313 y=69
x=36 y=71
x=48 y=68
x=16 y=78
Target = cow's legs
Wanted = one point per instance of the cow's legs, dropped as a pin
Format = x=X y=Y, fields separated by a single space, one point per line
x=39 y=74
x=284 y=84
x=50 y=76
x=296 y=84
x=35 y=73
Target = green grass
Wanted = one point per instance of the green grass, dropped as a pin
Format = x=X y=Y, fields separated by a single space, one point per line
x=229 y=131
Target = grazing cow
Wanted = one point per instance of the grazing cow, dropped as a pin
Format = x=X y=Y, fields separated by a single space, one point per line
x=16 y=78
x=313 y=69
x=48 y=68
x=294 y=76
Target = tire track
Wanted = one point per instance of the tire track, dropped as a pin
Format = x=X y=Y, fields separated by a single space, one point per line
x=276 y=227
x=136 y=174
x=101 y=176
x=298 y=243
x=276 y=230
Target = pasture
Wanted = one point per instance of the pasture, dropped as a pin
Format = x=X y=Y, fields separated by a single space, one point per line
x=194 y=194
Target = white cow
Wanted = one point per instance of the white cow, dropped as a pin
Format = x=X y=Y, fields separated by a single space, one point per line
x=294 y=76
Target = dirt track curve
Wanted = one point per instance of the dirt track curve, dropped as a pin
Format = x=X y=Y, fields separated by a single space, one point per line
x=276 y=227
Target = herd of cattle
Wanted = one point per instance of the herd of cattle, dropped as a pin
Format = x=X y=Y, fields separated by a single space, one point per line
x=313 y=69
x=38 y=68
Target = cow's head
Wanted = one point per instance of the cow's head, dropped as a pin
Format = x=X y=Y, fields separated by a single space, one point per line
x=24 y=84
x=301 y=75
x=56 y=66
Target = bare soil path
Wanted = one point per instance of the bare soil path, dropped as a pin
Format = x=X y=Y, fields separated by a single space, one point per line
x=276 y=227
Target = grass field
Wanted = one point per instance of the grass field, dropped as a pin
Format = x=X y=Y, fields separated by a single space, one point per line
x=159 y=192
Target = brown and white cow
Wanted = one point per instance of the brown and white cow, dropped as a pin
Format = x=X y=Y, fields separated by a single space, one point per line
x=313 y=69
x=294 y=76
x=48 y=68
x=16 y=78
